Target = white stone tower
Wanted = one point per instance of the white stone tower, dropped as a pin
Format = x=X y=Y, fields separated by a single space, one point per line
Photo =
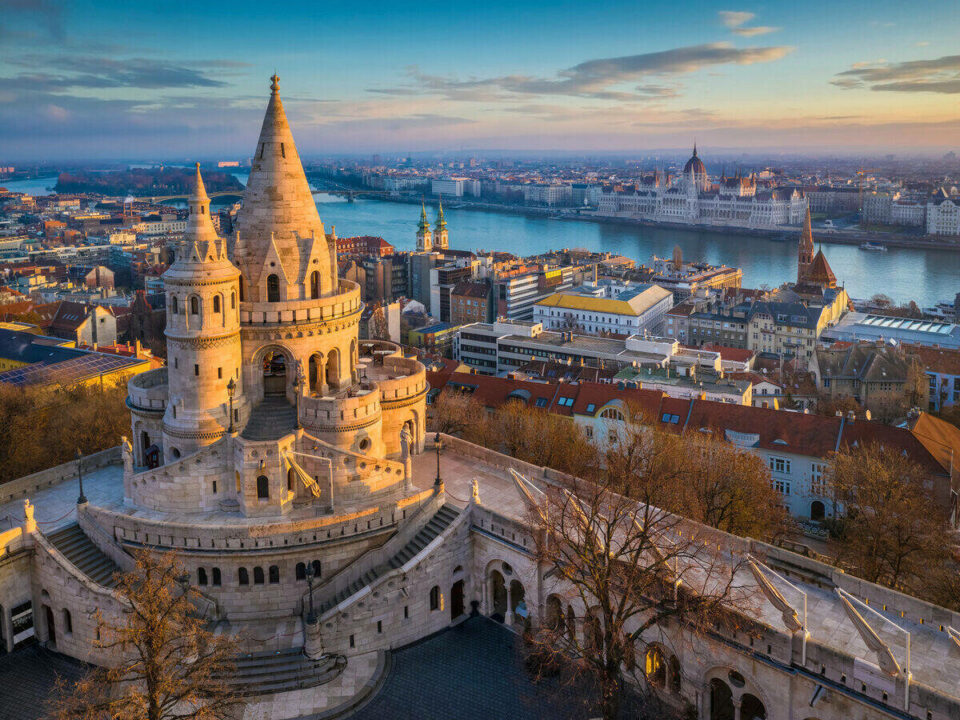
x=424 y=236
x=203 y=334
x=441 y=239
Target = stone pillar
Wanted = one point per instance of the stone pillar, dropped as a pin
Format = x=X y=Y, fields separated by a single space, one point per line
x=736 y=708
x=7 y=621
x=484 y=601
x=508 y=615
x=312 y=642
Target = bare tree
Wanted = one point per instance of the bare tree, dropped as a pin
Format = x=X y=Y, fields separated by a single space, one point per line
x=543 y=438
x=891 y=530
x=455 y=413
x=633 y=568
x=170 y=665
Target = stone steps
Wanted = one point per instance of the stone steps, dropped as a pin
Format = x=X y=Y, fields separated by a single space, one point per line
x=270 y=420
x=437 y=524
x=281 y=671
x=79 y=549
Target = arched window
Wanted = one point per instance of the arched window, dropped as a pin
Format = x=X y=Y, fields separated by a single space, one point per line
x=67 y=622
x=290 y=475
x=201 y=576
x=612 y=414
x=301 y=571
x=233 y=301
x=243 y=577
x=273 y=288
x=216 y=303
x=263 y=487
x=216 y=576
x=656 y=667
x=316 y=568
x=174 y=308
x=194 y=305
x=258 y=575
x=314 y=285
x=274 y=574
x=435 y=597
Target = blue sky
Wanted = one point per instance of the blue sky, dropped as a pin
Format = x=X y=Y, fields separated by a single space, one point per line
x=170 y=79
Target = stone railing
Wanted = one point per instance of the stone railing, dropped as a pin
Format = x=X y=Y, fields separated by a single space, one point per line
x=362 y=467
x=345 y=302
x=343 y=407
x=148 y=390
x=30 y=484
x=416 y=512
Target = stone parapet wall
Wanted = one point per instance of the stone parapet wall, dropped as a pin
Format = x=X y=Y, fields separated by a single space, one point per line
x=345 y=302
x=186 y=484
x=148 y=390
x=29 y=484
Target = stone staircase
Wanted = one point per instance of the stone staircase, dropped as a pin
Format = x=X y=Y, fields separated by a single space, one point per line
x=437 y=524
x=270 y=420
x=79 y=549
x=281 y=671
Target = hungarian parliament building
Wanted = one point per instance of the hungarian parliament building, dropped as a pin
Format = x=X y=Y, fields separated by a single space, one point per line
x=691 y=198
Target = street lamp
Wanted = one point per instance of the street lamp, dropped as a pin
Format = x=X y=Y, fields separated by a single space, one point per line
x=83 y=498
x=437 y=443
x=231 y=389
x=298 y=382
x=311 y=616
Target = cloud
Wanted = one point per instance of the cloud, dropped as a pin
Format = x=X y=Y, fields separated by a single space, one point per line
x=733 y=18
x=619 y=78
x=47 y=15
x=66 y=72
x=755 y=31
x=941 y=75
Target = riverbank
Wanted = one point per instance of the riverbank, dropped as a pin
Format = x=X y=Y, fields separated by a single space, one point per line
x=788 y=233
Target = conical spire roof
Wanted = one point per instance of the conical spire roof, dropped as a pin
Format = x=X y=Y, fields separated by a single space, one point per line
x=424 y=224
x=199 y=225
x=441 y=223
x=278 y=208
x=820 y=271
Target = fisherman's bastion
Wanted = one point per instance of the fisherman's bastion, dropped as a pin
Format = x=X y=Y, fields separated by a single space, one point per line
x=278 y=453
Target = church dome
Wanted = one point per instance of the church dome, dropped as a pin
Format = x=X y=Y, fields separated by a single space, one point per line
x=694 y=165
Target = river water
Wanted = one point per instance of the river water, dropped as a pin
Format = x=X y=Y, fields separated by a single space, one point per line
x=926 y=276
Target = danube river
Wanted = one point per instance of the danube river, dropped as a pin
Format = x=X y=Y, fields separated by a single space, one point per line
x=926 y=276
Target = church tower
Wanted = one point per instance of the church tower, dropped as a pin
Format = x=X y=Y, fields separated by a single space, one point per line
x=424 y=236
x=805 y=250
x=203 y=334
x=441 y=239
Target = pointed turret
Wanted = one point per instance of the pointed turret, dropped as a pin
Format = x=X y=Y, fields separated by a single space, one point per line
x=440 y=237
x=424 y=236
x=805 y=249
x=278 y=225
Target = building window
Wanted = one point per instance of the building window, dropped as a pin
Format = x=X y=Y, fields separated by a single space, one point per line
x=263 y=487
x=314 y=285
x=201 y=576
x=316 y=568
x=779 y=465
x=196 y=370
x=301 y=571
x=781 y=486
x=216 y=303
x=194 y=306
x=258 y=575
x=435 y=597
x=67 y=622
x=273 y=288
x=274 y=574
x=173 y=305
x=243 y=577
x=216 y=576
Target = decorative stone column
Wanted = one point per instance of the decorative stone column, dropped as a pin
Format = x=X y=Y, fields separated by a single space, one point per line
x=484 y=600
x=312 y=642
x=508 y=615
x=736 y=708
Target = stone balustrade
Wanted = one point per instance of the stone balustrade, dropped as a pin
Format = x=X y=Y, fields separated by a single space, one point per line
x=345 y=302
x=148 y=390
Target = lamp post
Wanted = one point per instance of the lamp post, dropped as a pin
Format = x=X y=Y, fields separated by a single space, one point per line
x=231 y=389
x=298 y=386
x=311 y=616
x=437 y=444
x=83 y=498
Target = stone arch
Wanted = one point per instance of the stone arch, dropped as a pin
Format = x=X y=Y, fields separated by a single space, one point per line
x=314 y=373
x=196 y=305
x=218 y=303
x=332 y=368
x=553 y=614
x=260 y=373
x=752 y=708
x=740 y=684
x=720 y=699
x=817 y=510
x=263 y=488
x=498 y=594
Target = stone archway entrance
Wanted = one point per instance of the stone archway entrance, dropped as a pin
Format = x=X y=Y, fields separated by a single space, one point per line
x=721 y=700
x=498 y=592
x=456 y=600
x=817 y=510
x=51 y=625
x=274 y=375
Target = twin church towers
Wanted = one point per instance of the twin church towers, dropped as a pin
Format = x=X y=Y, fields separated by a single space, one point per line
x=438 y=239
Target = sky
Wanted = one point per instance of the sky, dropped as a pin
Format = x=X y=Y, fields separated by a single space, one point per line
x=177 y=80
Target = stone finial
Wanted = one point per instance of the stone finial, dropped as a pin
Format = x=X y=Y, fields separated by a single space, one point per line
x=475 y=492
x=29 y=524
x=274 y=83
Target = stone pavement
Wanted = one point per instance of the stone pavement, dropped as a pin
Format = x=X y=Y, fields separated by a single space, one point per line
x=27 y=679
x=310 y=701
x=471 y=671
x=55 y=507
